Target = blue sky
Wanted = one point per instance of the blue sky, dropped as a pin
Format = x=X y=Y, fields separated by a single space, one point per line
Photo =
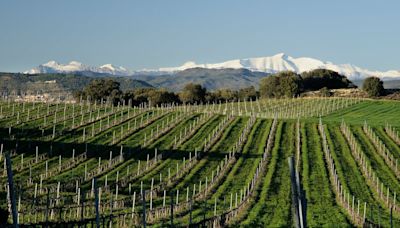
x=151 y=34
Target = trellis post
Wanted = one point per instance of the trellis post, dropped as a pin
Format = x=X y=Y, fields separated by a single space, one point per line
x=11 y=190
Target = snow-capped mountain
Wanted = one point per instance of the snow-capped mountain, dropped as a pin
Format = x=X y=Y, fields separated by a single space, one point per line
x=114 y=70
x=77 y=67
x=283 y=62
x=271 y=64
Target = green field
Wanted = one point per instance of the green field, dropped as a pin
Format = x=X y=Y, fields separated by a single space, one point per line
x=221 y=165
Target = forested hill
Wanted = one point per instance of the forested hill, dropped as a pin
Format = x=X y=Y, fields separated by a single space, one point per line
x=15 y=83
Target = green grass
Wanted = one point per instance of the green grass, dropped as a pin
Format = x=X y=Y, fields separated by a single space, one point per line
x=321 y=204
x=270 y=204
x=167 y=140
x=206 y=166
x=384 y=173
x=136 y=139
x=242 y=171
x=198 y=139
x=165 y=143
x=376 y=112
x=389 y=143
x=351 y=177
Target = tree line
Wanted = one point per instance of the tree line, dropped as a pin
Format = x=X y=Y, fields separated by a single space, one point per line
x=108 y=90
x=291 y=84
x=279 y=85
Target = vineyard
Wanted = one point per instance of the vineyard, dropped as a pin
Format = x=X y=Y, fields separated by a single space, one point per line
x=219 y=165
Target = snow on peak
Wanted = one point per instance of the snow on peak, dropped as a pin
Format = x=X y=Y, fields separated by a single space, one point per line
x=108 y=66
x=189 y=64
x=51 y=63
x=75 y=66
x=284 y=62
x=186 y=65
x=113 y=67
x=75 y=63
x=114 y=70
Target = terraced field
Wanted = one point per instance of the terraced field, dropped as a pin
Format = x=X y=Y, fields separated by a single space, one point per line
x=211 y=165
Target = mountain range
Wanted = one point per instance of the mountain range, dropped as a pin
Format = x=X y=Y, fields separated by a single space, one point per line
x=52 y=67
x=270 y=64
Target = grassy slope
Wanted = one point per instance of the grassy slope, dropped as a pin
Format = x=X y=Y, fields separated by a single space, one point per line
x=243 y=170
x=389 y=143
x=350 y=175
x=242 y=173
x=376 y=112
x=215 y=155
x=273 y=207
x=384 y=173
x=321 y=205
x=165 y=143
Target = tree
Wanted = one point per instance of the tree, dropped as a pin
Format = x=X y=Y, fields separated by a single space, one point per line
x=222 y=95
x=290 y=83
x=373 y=86
x=193 y=93
x=248 y=93
x=320 y=78
x=161 y=96
x=150 y=95
x=269 y=86
x=101 y=89
x=282 y=84
x=137 y=96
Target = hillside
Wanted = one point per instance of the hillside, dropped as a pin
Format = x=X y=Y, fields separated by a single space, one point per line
x=16 y=83
x=224 y=165
x=210 y=78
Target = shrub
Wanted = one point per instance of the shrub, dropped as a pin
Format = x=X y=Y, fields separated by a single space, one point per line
x=324 y=92
x=373 y=86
